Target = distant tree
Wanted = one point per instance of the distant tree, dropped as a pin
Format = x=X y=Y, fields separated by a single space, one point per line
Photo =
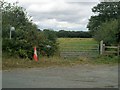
x=73 y=34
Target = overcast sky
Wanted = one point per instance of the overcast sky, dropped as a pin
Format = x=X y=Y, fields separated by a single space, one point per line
x=59 y=14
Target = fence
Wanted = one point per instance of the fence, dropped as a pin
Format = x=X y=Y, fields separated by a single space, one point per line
x=108 y=50
x=89 y=50
x=84 y=50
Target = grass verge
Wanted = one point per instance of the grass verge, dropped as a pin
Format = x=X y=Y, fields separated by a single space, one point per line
x=12 y=63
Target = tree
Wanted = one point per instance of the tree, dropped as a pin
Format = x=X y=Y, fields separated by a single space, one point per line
x=50 y=34
x=26 y=34
x=73 y=34
x=105 y=13
x=108 y=32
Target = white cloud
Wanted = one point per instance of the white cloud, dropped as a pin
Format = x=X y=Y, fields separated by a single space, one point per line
x=59 y=14
x=54 y=24
x=46 y=7
x=46 y=1
x=52 y=6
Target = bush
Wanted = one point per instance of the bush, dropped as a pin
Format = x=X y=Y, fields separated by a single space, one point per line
x=108 y=32
x=16 y=48
x=24 y=49
x=26 y=34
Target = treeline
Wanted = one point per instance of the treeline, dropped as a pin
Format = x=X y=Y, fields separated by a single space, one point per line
x=69 y=34
x=73 y=34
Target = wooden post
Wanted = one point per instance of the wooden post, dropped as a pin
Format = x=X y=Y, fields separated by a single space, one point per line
x=118 y=51
x=101 y=47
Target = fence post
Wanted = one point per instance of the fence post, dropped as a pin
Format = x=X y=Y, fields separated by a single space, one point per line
x=118 y=51
x=103 y=51
x=101 y=47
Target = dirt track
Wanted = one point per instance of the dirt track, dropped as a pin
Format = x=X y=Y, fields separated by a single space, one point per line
x=80 y=76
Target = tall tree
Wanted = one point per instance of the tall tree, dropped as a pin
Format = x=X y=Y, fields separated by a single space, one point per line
x=26 y=34
x=105 y=12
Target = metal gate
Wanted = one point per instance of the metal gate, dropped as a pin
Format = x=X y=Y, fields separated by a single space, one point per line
x=84 y=50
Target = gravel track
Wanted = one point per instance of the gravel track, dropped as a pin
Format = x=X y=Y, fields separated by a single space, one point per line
x=80 y=76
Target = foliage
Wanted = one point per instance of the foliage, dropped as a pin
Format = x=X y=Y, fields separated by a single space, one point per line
x=73 y=34
x=108 y=32
x=51 y=35
x=105 y=13
x=26 y=34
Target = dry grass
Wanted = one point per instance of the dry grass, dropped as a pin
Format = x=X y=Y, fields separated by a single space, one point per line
x=11 y=63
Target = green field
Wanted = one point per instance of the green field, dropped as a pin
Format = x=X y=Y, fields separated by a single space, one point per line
x=77 y=44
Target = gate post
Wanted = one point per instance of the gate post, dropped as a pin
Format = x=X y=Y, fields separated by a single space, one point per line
x=118 y=51
x=101 y=47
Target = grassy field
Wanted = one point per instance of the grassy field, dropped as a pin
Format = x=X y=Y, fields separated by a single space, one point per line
x=77 y=44
x=76 y=41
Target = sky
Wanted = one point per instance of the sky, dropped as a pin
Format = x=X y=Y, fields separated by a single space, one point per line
x=70 y=15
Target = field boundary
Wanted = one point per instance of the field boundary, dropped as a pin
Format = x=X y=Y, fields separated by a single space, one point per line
x=109 y=50
x=92 y=50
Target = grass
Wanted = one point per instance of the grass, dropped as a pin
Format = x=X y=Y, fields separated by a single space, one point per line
x=83 y=45
x=76 y=41
x=77 y=44
x=11 y=63
x=106 y=60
